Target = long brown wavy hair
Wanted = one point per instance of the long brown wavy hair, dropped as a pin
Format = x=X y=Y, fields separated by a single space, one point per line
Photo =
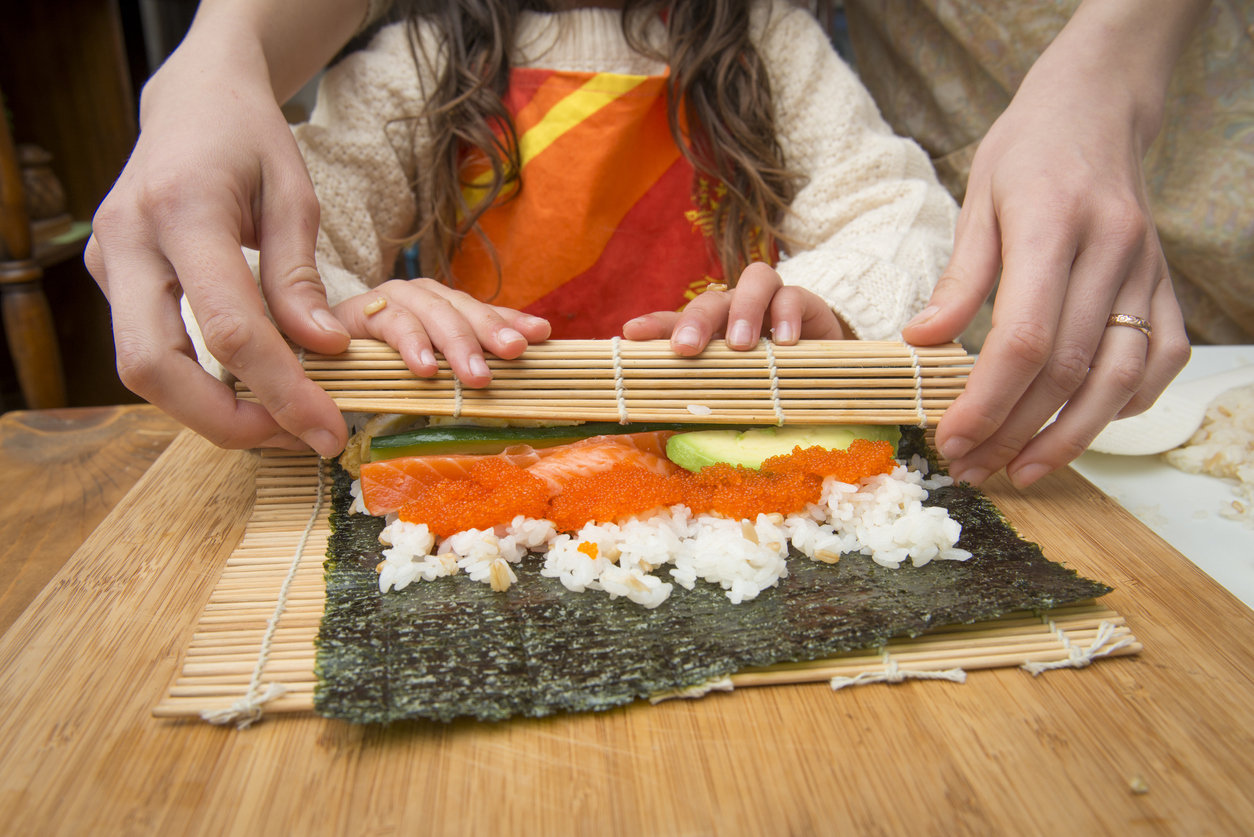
x=717 y=82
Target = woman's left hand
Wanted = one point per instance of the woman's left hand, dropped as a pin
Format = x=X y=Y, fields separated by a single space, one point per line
x=759 y=301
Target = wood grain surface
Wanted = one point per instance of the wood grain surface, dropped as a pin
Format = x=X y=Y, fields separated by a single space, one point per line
x=61 y=471
x=1161 y=743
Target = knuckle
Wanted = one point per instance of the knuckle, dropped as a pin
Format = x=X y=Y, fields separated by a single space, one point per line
x=304 y=277
x=1031 y=343
x=161 y=195
x=1126 y=375
x=1068 y=448
x=226 y=336
x=285 y=411
x=1124 y=224
x=953 y=280
x=222 y=436
x=1176 y=351
x=442 y=309
x=759 y=275
x=1000 y=449
x=978 y=424
x=1068 y=367
x=136 y=366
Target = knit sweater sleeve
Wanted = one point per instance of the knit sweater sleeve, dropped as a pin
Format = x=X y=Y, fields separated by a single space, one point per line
x=872 y=228
x=360 y=147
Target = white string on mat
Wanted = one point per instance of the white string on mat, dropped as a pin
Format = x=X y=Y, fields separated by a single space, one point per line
x=248 y=710
x=893 y=673
x=457 y=397
x=918 y=386
x=773 y=368
x=620 y=387
x=697 y=690
x=1078 y=657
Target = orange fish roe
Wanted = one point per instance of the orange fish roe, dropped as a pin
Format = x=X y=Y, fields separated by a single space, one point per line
x=590 y=549
x=495 y=492
x=622 y=491
x=864 y=458
x=741 y=493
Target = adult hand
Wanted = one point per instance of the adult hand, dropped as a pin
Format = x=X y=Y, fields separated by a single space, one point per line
x=1057 y=202
x=216 y=168
x=759 y=300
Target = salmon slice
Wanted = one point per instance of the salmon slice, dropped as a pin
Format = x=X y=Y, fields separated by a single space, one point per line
x=600 y=453
x=391 y=483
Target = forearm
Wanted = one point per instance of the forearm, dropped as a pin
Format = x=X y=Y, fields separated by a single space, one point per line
x=1118 y=49
x=283 y=42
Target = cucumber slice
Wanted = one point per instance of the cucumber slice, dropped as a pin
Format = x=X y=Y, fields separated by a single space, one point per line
x=450 y=439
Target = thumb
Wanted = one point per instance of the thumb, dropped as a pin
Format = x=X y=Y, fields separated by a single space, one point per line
x=964 y=284
x=287 y=234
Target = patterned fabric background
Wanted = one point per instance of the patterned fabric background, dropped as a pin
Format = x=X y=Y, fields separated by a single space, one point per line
x=943 y=73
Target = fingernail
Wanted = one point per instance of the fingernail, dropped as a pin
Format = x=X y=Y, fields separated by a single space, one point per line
x=508 y=335
x=426 y=358
x=479 y=367
x=1028 y=474
x=783 y=332
x=323 y=441
x=740 y=334
x=536 y=321
x=955 y=447
x=975 y=476
x=327 y=322
x=923 y=316
x=687 y=336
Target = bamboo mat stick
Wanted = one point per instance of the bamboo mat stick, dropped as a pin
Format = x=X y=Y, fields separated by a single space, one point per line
x=222 y=655
x=813 y=382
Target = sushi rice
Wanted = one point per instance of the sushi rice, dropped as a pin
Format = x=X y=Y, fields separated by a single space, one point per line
x=643 y=558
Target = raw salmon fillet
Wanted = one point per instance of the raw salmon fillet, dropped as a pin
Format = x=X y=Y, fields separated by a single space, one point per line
x=600 y=453
x=391 y=483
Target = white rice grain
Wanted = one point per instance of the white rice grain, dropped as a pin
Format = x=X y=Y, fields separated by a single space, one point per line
x=884 y=517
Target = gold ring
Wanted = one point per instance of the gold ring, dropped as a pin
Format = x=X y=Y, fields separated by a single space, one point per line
x=1130 y=321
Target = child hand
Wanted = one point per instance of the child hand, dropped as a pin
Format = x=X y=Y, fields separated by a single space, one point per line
x=759 y=299
x=418 y=317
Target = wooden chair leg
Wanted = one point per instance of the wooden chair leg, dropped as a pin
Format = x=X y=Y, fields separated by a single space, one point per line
x=31 y=336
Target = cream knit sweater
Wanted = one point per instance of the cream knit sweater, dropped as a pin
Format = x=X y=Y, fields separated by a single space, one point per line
x=874 y=226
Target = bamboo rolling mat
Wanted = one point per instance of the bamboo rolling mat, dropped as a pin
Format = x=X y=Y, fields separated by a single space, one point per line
x=254 y=643
x=812 y=382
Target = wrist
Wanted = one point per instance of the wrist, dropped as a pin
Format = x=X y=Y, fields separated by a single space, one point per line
x=278 y=44
x=216 y=51
x=1117 y=57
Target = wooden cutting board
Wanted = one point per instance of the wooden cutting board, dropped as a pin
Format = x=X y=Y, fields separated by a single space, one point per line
x=1161 y=742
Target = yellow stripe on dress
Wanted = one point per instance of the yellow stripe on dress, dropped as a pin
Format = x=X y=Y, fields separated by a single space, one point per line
x=598 y=92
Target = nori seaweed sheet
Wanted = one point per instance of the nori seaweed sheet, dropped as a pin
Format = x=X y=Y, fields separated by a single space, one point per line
x=453 y=648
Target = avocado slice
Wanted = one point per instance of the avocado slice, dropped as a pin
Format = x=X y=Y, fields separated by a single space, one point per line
x=693 y=451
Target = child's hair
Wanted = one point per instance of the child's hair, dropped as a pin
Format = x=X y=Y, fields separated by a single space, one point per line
x=716 y=76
